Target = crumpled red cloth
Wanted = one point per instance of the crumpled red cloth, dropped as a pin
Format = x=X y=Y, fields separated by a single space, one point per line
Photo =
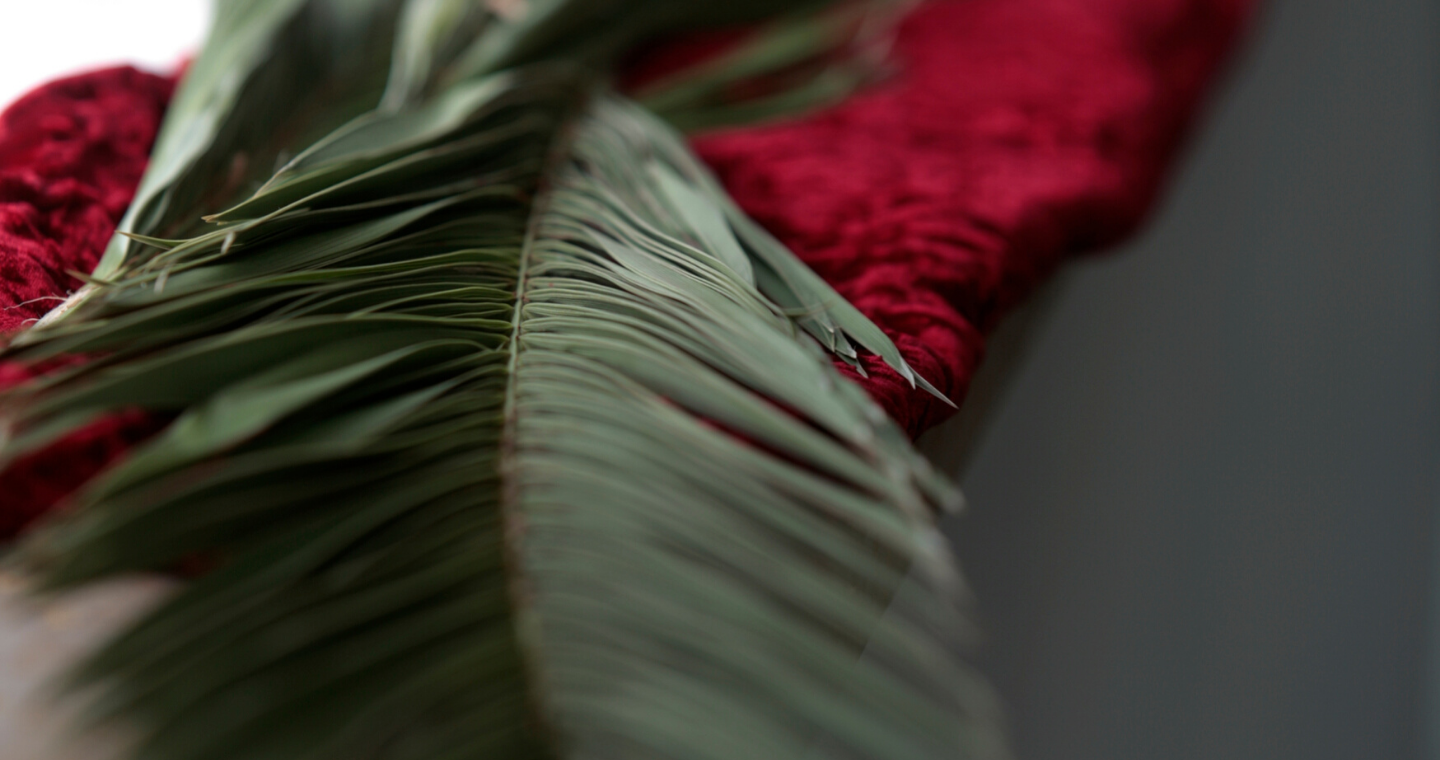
x=1016 y=133
x=71 y=154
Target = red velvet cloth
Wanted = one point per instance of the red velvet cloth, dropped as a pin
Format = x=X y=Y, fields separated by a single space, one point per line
x=1016 y=132
x=1019 y=132
x=71 y=154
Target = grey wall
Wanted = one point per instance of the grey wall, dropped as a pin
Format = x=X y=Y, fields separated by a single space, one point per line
x=1201 y=525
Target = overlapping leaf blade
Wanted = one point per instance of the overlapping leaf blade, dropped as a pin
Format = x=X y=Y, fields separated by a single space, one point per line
x=761 y=578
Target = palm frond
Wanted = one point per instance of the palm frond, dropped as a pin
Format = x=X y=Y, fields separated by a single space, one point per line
x=511 y=437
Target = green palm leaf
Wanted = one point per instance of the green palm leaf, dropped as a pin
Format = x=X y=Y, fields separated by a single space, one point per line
x=510 y=435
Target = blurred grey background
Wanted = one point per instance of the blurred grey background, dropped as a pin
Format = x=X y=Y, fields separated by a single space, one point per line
x=1202 y=522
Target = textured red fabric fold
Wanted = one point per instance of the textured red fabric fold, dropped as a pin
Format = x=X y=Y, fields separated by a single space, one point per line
x=71 y=154
x=1016 y=132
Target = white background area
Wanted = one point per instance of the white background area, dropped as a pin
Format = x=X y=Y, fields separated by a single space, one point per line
x=52 y=38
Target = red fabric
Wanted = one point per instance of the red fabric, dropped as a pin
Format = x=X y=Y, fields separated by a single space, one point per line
x=1019 y=132
x=71 y=154
x=1016 y=133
